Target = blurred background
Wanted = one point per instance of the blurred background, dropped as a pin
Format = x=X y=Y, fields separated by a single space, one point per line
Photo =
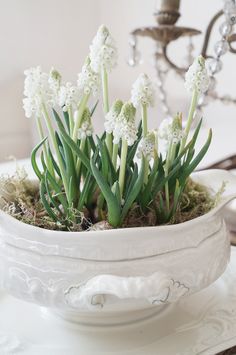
x=58 y=33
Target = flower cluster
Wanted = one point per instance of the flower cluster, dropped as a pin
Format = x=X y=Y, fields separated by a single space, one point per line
x=112 y=116
x=36 y=90
x=86 y=129
x=170 y=130
x=147 y=146
x=103 y=51
x=68 y=95
x=142 y=92
x=88 y=80
x=197 y=77
x=125 y=127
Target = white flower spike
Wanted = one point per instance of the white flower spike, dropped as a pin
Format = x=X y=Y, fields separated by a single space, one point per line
x=103 y=51
x=125 y=127
x=88 y=80
x=170 y=130
x=142 y=92
x=86 y=129
x=36 y=90
x=147 y=146
x=197 y=77
x=68 y=95
x=112 y=116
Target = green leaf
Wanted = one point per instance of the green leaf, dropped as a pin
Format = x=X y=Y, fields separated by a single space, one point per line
x=52 y=199
x=45 y=202
x=134 y=192
x=116 y=190
x=54 y=163
x=191 y=167
x=147 y=196
x=33 y=159
x=86 y=191
x=67 y=119
x=162 y=180
x=94 y=108
x=59 y=193
x=76 y=150
x=112 y=205
x=107 y=165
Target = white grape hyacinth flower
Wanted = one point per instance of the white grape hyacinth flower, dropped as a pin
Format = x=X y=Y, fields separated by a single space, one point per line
x=112 y=116
x=88 y=80
x=36 y=90
x=103 y=51
x=86 y=129
x=197 y=77
x=68 y=96
x=147 y=146
x=54 y=80
x=125 y=127
x=170 y=131
x=143 y=92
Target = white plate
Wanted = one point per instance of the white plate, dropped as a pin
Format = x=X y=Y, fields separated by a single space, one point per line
x=204 y=323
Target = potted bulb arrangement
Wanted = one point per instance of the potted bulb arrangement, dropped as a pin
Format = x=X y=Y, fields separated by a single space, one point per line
x=111 y=227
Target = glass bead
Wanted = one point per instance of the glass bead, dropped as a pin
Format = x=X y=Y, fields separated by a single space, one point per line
x=212 y=84
x=221 y=47
x=225 y=29
x=229 y=7
x=232 y=19
x=201 y=100
x=134 y=58
x=214 y=66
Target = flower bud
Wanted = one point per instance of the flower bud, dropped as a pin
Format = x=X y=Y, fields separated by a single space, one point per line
x=197 y=77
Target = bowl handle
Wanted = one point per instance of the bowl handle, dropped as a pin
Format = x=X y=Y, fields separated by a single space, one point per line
x=157 y=288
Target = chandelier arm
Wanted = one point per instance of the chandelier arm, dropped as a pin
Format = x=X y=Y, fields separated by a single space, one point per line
x=231 y=39
x=171 y=64
x=208 y=33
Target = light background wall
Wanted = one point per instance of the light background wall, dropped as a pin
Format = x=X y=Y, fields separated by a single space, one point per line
x=58 y=33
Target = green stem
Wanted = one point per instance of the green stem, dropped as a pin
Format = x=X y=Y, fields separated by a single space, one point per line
x=45 y=148
x=124 y=151
x=78 y=165
x=106 y=107
x=57 y=152
x=71 y=119
x=167 y=166
x=144 y=120
x=114 y=155
x=145 y=132
x=105 y=91
x=192 y=109
x=79 y=116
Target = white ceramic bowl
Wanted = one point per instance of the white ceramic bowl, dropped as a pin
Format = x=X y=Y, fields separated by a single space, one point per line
x=116 y=276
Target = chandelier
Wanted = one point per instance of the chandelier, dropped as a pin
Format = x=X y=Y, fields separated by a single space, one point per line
x=167 y=32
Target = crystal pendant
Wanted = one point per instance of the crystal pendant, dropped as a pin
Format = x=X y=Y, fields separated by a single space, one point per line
x=214 y=65
x=221 y=47
x=229 y=7
x=135 y=55
x=225 y=29
x=134 y=58
x=212 y=84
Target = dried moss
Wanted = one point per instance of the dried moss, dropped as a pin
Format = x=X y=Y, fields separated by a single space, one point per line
x=19 y=197
x=195 y=202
